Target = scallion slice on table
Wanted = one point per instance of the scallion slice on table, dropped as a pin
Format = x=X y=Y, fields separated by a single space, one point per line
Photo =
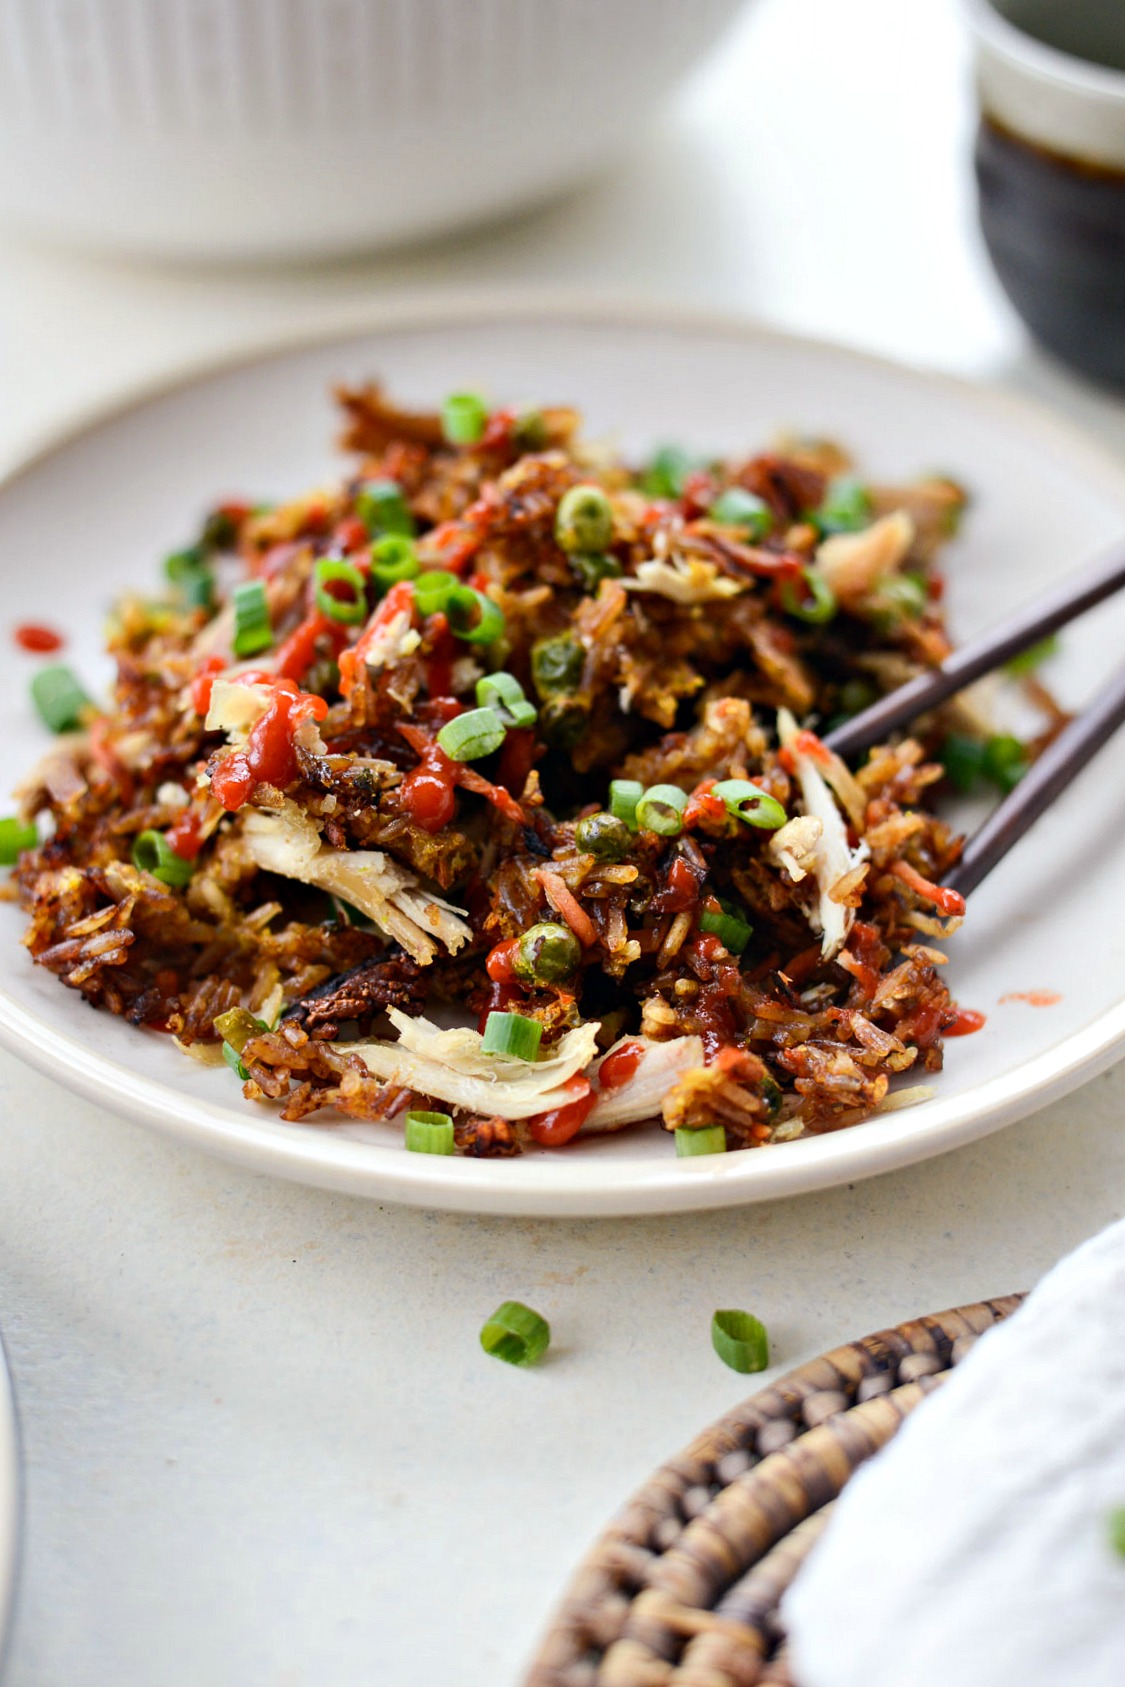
x=15 y=837
x=393 y=560
x=464 y=417
x=740 y=1340
x=429 y=1133
x=252 y=630
x=350 y=609
x=745 y=801
x=59 y=698
x=624 y=795
x=700 y=1139
x=516 y=1334
x=504 y=694
x=382 y=508
x=472 y=735
x=661 y=809
x=152 y=853
x=511 y=1034
x=473 y=616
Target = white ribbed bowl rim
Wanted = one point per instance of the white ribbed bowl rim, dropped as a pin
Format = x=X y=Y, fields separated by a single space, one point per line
x=563 y=1186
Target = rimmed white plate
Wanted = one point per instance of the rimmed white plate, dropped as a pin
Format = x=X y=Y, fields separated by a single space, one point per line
x=95 y=513
x=9 y=1501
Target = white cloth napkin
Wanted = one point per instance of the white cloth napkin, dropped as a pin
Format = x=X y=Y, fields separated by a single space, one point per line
x=975 y=1548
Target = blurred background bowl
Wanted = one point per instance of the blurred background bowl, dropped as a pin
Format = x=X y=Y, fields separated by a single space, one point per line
x=291 y=128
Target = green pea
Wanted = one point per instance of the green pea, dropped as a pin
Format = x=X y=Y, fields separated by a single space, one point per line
x=547 y=953
x=556 y=664
x=594 y=567
x=666 y=473
x=584 y=519
x=604 y=836
x=563 y=721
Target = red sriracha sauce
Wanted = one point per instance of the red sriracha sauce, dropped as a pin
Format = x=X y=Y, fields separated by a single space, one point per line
x=38 y=639
x=617 y=1068
x=399 y=600
x=269 y=757
x=295 y=657
x=185 y=834
x=439 y=662
x=965 y=1023
x=551 y=1130
x=201 y=686
x=501 y=963
x=429 y=791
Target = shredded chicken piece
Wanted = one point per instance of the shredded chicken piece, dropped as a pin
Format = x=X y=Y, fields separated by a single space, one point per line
x=794 y=845
x=287 y=842
x=834 y=856
x=684 y=579
x=641 y=1097
x=852 y=563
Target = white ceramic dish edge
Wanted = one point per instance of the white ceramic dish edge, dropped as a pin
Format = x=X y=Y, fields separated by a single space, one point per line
x=10 y=1504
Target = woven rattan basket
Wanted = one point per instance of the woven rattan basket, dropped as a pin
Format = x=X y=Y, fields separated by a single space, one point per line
x=683 y=1588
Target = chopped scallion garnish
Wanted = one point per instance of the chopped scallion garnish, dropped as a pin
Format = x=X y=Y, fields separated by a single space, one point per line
x=846 y=507
x=740 y=1340
x=1028 y=660
x=733 y=932
x=432 y=590
x=505 y=695
x=592 y=567
x=705 y=1139
x=511 y=1034
x=744 y=801
x=350 y=609
x=584 y=520
x=15 y=837
x=237 y=1026
x=392 y=561
x=464 y=417
x=666 y=473
x=1005 y=761
x=516 y=1334
x=152 y=853
x=382 y=508
x=624 y=795
x=429 y=1133
x=234 y=1061
x=738 y=508
x=816 y=604
x=963 y=759
x=59 y=698
x=252 y=630
x=472 y=735
x=661 y=809
x=473 y=616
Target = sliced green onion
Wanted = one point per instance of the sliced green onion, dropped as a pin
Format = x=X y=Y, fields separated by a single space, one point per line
x=1005 y=761
x=661 y=809
x=237 y=1026
x=504 y=694
x=605 y=836
x=819 y=604
x=472 y=735
x=433 y=589
x=740 y=1340
x=1028 y=660
x=592 y=567
x=733 y=933
x=563 y=721
x=584 y=519
x=512 y=1034
x=181 y=565
x=529 y=430
x=846 y=507
x=738 y=508
x=382 y=508
x=963 y=759
x=705 y=1139
x=624 y=795
x=903 y=595
x=392 y=561
x=464 y=417
x=744 y=801
x=666 y=472
x=59 y=698
x=198 y=589
x=15 y=837
x=516 y=1334
x=252 y=630
x=429 y=1133
x=556 y=664
x=152 y=853
x=1116 y=1521
x=350 y=610
x=234 y=1061
x=473 y=616
x=547 y=953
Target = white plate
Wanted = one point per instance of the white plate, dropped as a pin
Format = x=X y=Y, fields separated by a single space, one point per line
x=9 y=1501
x=96 y=513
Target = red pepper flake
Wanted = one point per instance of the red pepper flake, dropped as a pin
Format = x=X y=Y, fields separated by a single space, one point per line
x=38 y=639
x=702 y=805
x=946 y=901
x=552 y=1130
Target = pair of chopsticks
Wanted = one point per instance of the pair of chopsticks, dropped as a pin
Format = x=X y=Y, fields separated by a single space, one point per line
x=1062 y=760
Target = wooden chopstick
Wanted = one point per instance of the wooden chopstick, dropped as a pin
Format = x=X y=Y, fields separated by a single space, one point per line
x=1037 y=621
x=1049 y=775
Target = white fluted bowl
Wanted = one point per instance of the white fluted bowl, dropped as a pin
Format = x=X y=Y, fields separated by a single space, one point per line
x=285 y=128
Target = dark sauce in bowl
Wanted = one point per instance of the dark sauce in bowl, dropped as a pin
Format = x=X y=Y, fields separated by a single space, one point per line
x=1055 y=231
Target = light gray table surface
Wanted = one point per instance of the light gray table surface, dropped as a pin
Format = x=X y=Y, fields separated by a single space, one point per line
x=262 y=1447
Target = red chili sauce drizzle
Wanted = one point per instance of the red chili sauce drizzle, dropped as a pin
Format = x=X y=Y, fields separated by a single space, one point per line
x=552 y=1130
x=269 y=756
x=967 y=1021
x=40 y=640
x=617 y=1068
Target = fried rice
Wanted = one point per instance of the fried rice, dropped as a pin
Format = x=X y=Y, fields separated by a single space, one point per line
x=522 y=730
